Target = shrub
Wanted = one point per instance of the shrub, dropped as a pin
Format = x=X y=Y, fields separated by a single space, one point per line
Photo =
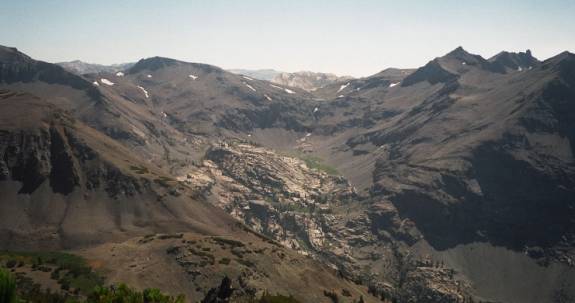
x=230 y=242
x=345 y=293
x=225 y=261
x=123 y=293
x=267 y=298
x=332 y=295
x=11 y=263
x=7 y=287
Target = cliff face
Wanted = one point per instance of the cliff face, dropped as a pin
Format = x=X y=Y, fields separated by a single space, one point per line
x=33 y=159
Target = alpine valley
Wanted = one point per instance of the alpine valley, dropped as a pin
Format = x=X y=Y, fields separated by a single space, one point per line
x=451 y=182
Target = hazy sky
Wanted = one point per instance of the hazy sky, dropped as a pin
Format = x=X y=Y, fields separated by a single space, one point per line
x=356 y=38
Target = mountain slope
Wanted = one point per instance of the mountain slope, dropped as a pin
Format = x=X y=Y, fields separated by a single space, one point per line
x=445 y=170
x=65 y=184
x=464 y=151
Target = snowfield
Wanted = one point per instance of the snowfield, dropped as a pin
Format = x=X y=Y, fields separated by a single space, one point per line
x=250 y=87
x=144 y=91
x=343 y=87
x=107 y=82
x=289 y=91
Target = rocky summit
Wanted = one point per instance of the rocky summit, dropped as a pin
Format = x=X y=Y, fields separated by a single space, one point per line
x=451 y=182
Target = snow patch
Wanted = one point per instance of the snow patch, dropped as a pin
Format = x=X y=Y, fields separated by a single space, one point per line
x=164 y=115
x=144 y=91
x=289 y=91
x=463 y=63
x=149 y=76
x=520 y=69
x=308 y=134
x=342 y=87
x=247 y=78
x=315 y=109
x=268 y=97
x=96 y=83
x=107 y=82
x=340 y=96
x=120 y=74
x=193 y=77
x=250 y=87
x=393 y=84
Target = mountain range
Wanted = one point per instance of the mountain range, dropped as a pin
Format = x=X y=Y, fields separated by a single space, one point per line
x=450 y=182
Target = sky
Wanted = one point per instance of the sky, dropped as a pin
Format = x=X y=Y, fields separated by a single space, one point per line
x=356 y=38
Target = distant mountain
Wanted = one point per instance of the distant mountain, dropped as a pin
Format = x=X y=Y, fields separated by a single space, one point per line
x=306 y=80
x=260 y=74
x=381 y=80
x=515 y=61
x=80 y=67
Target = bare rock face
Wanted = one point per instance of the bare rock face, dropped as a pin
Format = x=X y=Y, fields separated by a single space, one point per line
x=277 y=195
x=307 y=210
x=80 y=68
x=308 y=81
x=55 y=155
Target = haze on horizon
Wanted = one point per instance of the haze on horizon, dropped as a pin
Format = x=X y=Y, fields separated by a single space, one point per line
x=356 y=38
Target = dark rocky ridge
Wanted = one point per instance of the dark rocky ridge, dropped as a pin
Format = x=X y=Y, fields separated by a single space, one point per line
x=515 y=61
x=17 y=67
x=432 y=72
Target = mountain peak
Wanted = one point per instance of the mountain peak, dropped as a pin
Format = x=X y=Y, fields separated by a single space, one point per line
x=12 y=54
x=432 y=72
x=514 y=61
x=458 y=52
x=153 y=63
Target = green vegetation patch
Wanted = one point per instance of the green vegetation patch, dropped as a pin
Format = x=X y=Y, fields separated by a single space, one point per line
x=17 y=288
x=123 y=293
x=314 y=162
x=71 y=271
x=317 y=163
